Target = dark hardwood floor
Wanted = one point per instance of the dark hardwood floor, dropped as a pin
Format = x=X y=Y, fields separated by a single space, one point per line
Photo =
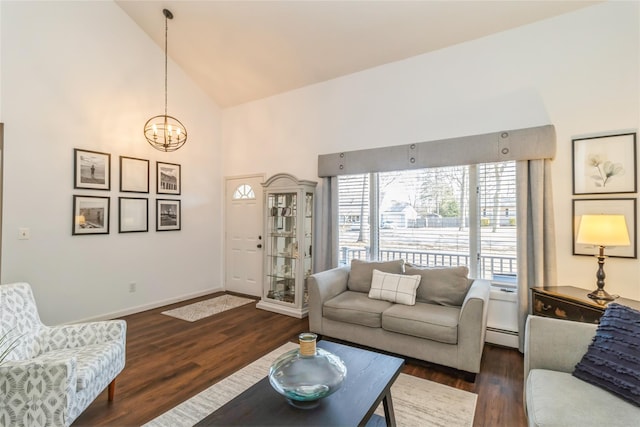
x=170 y=360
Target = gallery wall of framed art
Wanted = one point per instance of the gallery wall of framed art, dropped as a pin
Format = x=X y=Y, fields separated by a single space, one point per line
x=91 y=212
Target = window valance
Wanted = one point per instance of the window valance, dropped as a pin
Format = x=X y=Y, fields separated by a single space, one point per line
x=519 y=144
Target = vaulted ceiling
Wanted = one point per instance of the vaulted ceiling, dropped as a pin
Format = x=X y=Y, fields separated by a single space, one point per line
x=240 y=51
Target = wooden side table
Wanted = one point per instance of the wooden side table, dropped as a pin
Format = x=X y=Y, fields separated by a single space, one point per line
x=571 y=303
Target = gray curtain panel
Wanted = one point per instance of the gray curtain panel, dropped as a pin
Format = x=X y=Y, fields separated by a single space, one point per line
x=536 y=234
x=326 y=225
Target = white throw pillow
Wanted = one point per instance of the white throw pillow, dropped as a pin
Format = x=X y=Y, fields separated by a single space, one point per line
x=398 y=288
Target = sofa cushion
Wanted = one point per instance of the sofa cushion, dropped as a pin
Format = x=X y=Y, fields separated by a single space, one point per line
x=361 y=272
x=430 y=321
x=356 y=308
x=442 y=285
x=558 y=399
x=612 y=361
x=397 y=288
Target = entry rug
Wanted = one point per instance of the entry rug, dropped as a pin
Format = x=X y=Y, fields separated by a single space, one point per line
x=416 y=402
x=202 y=309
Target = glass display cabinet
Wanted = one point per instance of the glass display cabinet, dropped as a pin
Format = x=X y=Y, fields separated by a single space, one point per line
x=288 y=243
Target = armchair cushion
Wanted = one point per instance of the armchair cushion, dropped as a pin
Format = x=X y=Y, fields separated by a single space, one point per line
x=556 y=399
x=92 y=361
x=612 y=361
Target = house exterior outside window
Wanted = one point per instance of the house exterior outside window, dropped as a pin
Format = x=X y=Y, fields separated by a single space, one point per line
x=463 y=215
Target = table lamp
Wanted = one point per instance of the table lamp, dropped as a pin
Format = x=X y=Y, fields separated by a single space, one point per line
x=602 y=230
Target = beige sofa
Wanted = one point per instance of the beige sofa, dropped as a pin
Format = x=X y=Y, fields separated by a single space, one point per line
x=439 y=329
x=553 y=397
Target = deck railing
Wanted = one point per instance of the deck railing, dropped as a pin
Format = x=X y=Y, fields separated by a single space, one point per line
x=489 y=264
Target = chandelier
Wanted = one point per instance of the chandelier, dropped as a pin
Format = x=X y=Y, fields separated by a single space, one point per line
x=164 y=132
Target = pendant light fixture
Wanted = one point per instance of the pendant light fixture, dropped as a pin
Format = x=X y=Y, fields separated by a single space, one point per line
x=164 y=132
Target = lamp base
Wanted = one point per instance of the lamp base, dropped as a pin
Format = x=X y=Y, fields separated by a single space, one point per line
x=602 y=295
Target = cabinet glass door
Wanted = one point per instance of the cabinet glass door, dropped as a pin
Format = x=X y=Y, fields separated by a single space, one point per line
x=308 y=242
x=282 y=246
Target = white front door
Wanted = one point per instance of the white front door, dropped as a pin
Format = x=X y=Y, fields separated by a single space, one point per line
x=243 y=234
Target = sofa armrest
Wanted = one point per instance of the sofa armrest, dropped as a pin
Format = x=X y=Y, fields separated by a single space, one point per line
x=472 y=325
x=322 y=287
x=42 y=392
x=82 y=334
x=555 y=344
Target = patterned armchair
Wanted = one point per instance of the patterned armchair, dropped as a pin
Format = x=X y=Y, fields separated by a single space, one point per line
x=54 y=373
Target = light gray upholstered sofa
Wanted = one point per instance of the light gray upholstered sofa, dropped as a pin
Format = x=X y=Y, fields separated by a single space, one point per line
x=447 y=335
x=554 y=397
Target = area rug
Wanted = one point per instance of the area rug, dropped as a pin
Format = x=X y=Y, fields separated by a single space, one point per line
x=202 y=309
x=416 y=402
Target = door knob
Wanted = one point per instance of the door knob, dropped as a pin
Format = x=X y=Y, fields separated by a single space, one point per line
x=259 y=246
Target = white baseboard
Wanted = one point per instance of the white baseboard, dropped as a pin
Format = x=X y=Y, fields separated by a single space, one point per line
x=149 y=306
x=502 y=337
x=282 y=309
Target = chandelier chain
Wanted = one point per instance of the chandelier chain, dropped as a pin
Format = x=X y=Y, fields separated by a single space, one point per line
x=166 y=53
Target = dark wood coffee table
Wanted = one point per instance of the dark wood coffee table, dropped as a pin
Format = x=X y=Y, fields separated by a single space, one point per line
x=368 y=382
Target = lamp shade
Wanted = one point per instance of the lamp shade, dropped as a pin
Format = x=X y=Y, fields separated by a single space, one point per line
x=603 y=230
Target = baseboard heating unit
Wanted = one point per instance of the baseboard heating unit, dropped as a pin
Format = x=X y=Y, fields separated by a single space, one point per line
x=502 y=319
x=502 y=337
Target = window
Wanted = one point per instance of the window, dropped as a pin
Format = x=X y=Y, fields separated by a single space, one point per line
x=244 y=191
x=430 y=217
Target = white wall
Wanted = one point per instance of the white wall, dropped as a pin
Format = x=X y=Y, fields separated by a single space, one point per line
x=579 y=72
x=83 y=75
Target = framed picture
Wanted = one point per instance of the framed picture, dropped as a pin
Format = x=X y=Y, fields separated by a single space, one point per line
x=167 y=178
x=626 y=207
x=605 y=164
x=134 y=175
x=90 y=215
x=92 y=170
x=134 y=214
x=167 y=215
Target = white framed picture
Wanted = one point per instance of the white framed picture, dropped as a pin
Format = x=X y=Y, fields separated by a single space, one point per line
x=134 y=214
x=605 y=164
x=134 y=175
